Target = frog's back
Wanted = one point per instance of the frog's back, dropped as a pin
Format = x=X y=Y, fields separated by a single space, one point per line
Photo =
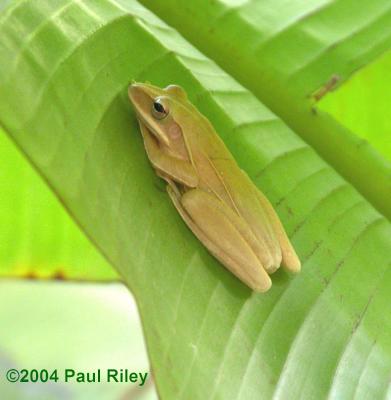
x=219 y=173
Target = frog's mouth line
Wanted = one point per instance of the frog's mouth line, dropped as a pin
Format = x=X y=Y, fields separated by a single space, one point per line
x=152 y=132
x=146 y=132
x=179 y=186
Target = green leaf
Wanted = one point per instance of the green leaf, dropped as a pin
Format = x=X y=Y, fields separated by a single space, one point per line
x=322 y=333
x=284 y=51
x=38 y=239
x=362 y=104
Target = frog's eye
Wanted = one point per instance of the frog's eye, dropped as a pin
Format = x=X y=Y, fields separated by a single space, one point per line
x=160 y=108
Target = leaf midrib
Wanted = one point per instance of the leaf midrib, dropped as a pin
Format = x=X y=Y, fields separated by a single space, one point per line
x=352 y=157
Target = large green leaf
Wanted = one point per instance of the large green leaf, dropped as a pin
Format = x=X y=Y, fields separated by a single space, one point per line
x=284 y=51
x=363 y=104
x=37 y=237
x=64 y=101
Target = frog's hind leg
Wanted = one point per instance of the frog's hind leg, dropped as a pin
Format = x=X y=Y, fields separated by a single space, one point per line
x=224 y=234
x=290 y=260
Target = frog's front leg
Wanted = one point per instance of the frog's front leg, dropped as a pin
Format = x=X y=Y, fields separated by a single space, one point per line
x=225 y=234
x=166 y=165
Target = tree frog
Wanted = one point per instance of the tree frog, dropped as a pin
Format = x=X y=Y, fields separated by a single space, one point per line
x=215 y=198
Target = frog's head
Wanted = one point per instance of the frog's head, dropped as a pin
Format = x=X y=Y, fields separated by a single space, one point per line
x=158 y=110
